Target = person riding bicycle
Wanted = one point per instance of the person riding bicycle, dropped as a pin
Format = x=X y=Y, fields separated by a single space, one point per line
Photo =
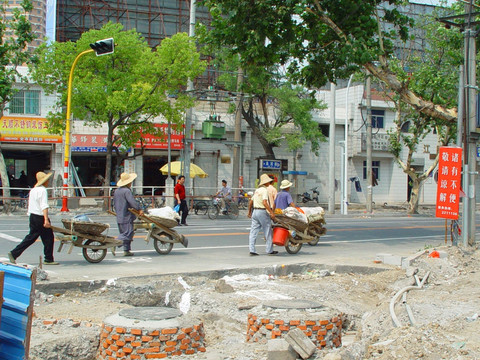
x=224 y=194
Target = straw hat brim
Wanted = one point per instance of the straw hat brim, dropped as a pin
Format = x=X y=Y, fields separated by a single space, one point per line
x=265 y=180
x=123 y=182
x=44 y=179
x=286 y=186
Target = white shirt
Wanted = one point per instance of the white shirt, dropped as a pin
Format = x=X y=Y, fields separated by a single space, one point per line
x=37 y=200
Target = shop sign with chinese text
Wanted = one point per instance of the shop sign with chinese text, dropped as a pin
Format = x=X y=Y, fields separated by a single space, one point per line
x=449 y=182
x=26 y=130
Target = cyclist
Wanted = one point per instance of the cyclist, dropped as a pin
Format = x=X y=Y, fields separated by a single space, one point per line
x=224 y=194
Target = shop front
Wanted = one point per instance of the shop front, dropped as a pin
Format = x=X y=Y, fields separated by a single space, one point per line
x=27 y=148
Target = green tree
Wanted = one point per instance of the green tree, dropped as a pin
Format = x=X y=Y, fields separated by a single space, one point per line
x=15 y=34
x=320 y=40
x=276 y=110
x=432 y=74
x=124 y=90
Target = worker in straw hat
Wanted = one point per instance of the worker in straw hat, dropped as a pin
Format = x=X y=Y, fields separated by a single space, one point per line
x=38 y=221
x=262 y=215
x=122 y=201
x=284 y=198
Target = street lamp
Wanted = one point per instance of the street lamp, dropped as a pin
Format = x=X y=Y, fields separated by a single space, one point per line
x=101 y=47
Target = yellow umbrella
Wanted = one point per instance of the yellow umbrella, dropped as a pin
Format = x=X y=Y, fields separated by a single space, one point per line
x=176 y=168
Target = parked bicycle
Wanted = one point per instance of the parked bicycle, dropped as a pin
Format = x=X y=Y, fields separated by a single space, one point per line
x=231 y=209
x=200 y=207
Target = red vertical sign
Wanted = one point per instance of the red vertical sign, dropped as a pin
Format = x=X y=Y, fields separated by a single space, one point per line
x=449 y=181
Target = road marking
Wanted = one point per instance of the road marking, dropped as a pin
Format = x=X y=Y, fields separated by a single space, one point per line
x=9 y=237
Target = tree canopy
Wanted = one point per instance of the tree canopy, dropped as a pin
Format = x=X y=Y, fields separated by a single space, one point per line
x=124 y=90
x=321 y=40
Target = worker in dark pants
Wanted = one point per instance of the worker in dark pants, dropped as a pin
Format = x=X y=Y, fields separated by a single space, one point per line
x=39 y=222
x=122 y=201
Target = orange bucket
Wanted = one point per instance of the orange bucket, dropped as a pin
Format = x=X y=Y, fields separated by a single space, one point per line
x=280 y=236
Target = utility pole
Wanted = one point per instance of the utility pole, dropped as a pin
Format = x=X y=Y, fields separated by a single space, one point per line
x=471 y=126
x=189 y=114
x=331 y=152
x=369 y=144
x=238 y=132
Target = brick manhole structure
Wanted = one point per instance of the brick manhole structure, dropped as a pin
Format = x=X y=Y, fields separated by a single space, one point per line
x=278 y=317
x=150 y=333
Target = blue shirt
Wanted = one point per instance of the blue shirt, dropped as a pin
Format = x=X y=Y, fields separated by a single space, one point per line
x=283 y=200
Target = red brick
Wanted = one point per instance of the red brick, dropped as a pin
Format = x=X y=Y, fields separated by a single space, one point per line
x=109 y=341
x=170 y=331
x=171 y=343
x=284 y=328
x=136 y=332
x=156 y=356
x=322 y=332
x=108 y=352
x=120 y=354
x=202 y=349
x=310 y=322
x=120 y=330
x=120 y=342
x=49 y=322
x=154 y=333
x=127 y=350
x=105 y=345
x=136 y=343
x=269 y=327
x=135 y=357
x=170 y=348
x=323 y=343
x=294 y=322
x=190 y=352
x=329 y=326
x=279 y=322
x=184 y=347
x=265 y=321
x=186 y=341
x=176 y=353
x=147 y=338
x=104 y=335
x=115 y=337
x=324 y=322
x=129 y=338
x=109 y=328
x=155 y=343
x=181 y=336
x=198 y=327
x=113 y=347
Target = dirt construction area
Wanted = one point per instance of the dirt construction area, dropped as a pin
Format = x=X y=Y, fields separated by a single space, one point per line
x=444 y=311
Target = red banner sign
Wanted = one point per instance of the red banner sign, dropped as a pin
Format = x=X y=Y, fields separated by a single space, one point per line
x=449 y=182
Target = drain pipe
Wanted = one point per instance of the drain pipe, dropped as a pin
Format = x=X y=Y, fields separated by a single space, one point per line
x=395 y=298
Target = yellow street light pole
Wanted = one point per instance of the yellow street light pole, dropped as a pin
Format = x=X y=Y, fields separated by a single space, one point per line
x=66 y=156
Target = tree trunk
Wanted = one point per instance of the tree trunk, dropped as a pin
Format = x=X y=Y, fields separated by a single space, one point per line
x=108 y=168
x=249 y=117
x=5 y=184
x=414 y=198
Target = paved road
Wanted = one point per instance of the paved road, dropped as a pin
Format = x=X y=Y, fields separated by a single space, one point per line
x=222 y=244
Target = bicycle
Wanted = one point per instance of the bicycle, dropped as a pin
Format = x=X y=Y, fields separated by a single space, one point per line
x=200 y=207
x=231 y=209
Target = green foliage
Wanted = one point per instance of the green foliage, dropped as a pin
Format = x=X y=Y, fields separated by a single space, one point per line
x=15 y=34
x=125 y=89
x=265 y=33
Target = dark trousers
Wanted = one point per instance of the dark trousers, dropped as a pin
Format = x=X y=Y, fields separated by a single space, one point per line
x=126 y=235
x=183 y=209
x=36 y=230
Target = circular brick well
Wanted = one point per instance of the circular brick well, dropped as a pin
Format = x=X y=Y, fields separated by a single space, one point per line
x=150 y=333
x=277 y=318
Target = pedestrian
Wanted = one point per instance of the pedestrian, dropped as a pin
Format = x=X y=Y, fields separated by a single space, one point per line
x=122 y=201
x=262 y=215
x=284 y=199
x=39 y=222
x=180 y=199
x=272 y=194
x=225 y=194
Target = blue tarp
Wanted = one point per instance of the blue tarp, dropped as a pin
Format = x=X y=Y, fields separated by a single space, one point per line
x=17 y=310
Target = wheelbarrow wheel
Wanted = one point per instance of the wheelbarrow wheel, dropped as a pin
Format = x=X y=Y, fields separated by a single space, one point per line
x=292 y=248
x=314 y=242
x=163 y=247
x=94 y=255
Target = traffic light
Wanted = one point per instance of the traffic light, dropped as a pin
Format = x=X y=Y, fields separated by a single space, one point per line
x=103 y=47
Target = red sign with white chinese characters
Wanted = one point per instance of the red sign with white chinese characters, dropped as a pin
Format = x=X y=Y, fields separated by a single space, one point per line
x=449 y=182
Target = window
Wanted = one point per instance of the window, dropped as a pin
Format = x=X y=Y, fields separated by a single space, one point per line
x=375 y=169
x=377 y=119
x=25 y=102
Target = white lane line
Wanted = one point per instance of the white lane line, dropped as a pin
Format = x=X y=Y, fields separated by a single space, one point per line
x=11 y=238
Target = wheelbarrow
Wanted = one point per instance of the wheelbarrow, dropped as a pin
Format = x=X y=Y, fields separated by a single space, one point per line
x=160 y=230
x=88 y=236
x=300 y=232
